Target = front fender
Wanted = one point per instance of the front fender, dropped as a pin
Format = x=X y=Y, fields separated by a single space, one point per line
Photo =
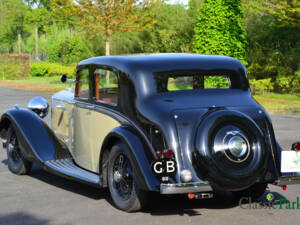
x=138 y=154
x=32 y=132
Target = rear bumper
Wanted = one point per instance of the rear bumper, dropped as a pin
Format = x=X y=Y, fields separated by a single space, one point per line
x=183 y=188
x=288 y=179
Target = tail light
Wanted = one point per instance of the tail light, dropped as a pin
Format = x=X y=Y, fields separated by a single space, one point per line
x=167 y=153
x=296 y=146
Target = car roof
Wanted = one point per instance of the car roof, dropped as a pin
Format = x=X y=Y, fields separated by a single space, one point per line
x=165 y=62
x=141 y=68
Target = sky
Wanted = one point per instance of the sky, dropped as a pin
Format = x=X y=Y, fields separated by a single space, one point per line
x=179 y=1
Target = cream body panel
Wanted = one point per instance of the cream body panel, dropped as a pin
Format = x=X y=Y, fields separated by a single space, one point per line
x=90 y=129
x=61 y=116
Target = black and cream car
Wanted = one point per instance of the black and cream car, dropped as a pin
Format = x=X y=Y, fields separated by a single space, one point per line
x=167 y=123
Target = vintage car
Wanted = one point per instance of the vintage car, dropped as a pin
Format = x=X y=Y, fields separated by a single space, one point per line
x=166 y=123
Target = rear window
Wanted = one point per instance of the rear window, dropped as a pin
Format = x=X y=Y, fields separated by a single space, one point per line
x=190 y=82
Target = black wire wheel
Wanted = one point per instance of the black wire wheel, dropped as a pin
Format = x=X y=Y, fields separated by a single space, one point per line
x=16 y=162
x=123 y=187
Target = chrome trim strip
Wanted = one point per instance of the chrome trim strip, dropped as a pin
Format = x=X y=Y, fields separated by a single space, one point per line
x=288 y=179
x=185 y=188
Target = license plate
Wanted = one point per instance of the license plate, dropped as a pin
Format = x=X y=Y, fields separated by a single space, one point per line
x=290 y=161
x=163 y=167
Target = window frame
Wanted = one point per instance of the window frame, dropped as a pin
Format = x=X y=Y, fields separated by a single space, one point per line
x=95 y=85
x=77 y=88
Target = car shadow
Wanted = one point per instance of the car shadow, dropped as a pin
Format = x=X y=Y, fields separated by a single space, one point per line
x=22 y=218
x=159 y=205
x=5 y=161
x=181 y=205
x=69 y=185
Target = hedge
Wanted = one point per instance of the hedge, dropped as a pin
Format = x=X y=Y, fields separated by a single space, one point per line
x=46 y=69
x=14 y=66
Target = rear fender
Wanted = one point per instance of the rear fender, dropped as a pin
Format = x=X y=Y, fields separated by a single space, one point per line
x=137 y=151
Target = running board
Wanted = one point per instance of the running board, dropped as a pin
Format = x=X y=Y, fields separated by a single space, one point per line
x=67 y=168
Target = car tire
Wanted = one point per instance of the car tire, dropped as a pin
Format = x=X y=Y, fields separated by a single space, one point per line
x=122 y=184
x=253 y=192
x=17 y=164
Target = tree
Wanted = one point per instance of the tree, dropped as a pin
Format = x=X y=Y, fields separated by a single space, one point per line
x=108 y=16
x=220 y=29
x=12 y=14
x=38 y=3
x=286 y=11
x=38 y=18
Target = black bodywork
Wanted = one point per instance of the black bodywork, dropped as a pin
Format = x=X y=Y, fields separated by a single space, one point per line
x=153 y=119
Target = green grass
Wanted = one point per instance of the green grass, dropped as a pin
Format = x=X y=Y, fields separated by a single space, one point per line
x=280 y=103
x=52 y=81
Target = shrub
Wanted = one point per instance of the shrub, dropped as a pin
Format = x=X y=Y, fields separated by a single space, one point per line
x=41 y=69
x=14 y=66
x=289 y=84
x=261 y=86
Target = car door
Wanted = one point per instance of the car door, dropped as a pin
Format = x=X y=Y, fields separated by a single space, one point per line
x=91 y=122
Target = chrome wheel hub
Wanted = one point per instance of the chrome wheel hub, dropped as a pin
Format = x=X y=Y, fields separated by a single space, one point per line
x=117 y=176
x=237 y=146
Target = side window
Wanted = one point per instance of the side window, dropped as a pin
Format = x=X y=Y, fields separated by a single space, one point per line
x=83 y=84
x=106 y=86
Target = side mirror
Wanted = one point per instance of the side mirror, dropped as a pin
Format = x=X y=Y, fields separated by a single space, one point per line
x=39 y=105
x=64 y=78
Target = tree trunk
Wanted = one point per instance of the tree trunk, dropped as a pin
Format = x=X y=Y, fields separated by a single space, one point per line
x=36 y=44
x=19 y=43
x=107 y=53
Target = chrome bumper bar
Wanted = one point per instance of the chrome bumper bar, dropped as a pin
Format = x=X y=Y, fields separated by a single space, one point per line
x=184 y=188
x=288 y=179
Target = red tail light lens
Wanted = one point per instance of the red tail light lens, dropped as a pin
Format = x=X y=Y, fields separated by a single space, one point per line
x=296 y=146
x=191 y=195
x=169 y=153
x=284 y=187
x=159 y=153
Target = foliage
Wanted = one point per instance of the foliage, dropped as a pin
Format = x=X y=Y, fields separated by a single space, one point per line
x=289 y=84
x=68 y=51
x=261 y=86
x=220 y=29
x=12 y=21
x=41 y=69
x=14 y=66
x=287 y=12
x=107 y=17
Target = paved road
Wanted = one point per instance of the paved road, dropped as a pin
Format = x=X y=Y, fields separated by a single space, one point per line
x=45 y=199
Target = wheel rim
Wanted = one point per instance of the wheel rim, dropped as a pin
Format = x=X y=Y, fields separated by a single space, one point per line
x=13 y=148
x=122 y=177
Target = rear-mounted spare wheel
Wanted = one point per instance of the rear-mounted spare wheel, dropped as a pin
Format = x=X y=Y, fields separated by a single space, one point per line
x=230 y=150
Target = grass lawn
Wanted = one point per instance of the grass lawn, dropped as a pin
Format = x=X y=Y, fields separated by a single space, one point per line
x=272 y=102
x=38 y=84
x=280 y=103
